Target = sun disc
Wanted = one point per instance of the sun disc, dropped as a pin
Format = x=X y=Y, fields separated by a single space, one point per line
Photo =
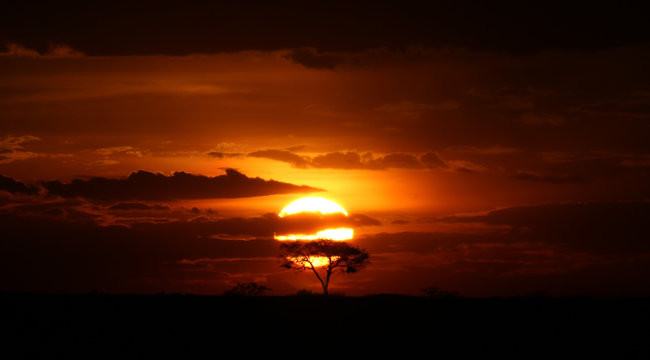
x=316 y=205
x=313 y=204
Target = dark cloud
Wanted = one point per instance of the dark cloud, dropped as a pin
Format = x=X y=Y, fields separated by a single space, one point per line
x=221 y=155
x=16 y=187
x=74 y=253
x=338 y=160
x=143 y=185
x=400 y=222
x=565 y=260
x=262 y=226
x=612 y=171
x=200 y=26
x=38 y=207
x=57 y=255
x=630 y=107
x=69 y=210
x=424 y=242
x=431 y=160
x=543 y=119
x=605 y=227
x=41 y=254
x=312 y=59
x=296 y=148
x=564 y=179
x=78 y=215
x=354 y=160
x=137 y=206
x=363 y=220
x=282 y=155
x=406 y=161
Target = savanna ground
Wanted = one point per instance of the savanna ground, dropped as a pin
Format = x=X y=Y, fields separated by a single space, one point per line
x=125 y=326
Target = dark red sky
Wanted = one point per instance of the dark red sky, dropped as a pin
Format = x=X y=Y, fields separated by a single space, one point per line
x=489 y=150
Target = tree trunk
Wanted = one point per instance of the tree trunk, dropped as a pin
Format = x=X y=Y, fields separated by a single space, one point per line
x=326 y=284
x=311 y=266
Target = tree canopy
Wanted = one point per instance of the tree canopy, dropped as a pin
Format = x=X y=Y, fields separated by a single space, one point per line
x=323 y=257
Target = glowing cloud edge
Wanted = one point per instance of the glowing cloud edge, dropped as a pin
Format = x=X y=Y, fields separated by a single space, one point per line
x=340 y=234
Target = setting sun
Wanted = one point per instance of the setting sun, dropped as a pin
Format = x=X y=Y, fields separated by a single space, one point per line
x=330 y=234
x=313 y=204
x=316 y=205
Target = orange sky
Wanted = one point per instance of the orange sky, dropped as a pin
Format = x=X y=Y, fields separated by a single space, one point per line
x=429 y=136
x=112 y=115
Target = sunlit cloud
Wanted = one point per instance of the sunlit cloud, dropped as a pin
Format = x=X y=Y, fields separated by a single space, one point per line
x=12 y=148
x=54 y=51
x=126 y=150
x=346 y=159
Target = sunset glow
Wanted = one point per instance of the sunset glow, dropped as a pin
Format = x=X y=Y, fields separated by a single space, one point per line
x=329 y=234
x=316 y=261
x=147 y=147
x=312 y=204
x=320 y=206
x=317 y=205
x=365 y=166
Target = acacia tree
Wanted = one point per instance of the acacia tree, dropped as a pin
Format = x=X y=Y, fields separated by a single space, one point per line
x=322 y=257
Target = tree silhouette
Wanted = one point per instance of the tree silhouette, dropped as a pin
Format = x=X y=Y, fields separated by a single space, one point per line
x=323 y=257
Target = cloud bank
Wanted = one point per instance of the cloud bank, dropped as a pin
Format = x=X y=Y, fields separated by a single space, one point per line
x=16 y=187
x=144 y=185
x=603 y=227
x=347 y=160
x=558 y=247
x=199 y=27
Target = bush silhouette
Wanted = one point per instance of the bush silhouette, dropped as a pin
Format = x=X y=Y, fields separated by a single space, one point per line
x=304 y=292
x=247 y=289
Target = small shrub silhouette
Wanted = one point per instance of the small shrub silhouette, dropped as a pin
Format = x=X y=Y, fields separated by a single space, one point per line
x=247 y=289
x=304 y=292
